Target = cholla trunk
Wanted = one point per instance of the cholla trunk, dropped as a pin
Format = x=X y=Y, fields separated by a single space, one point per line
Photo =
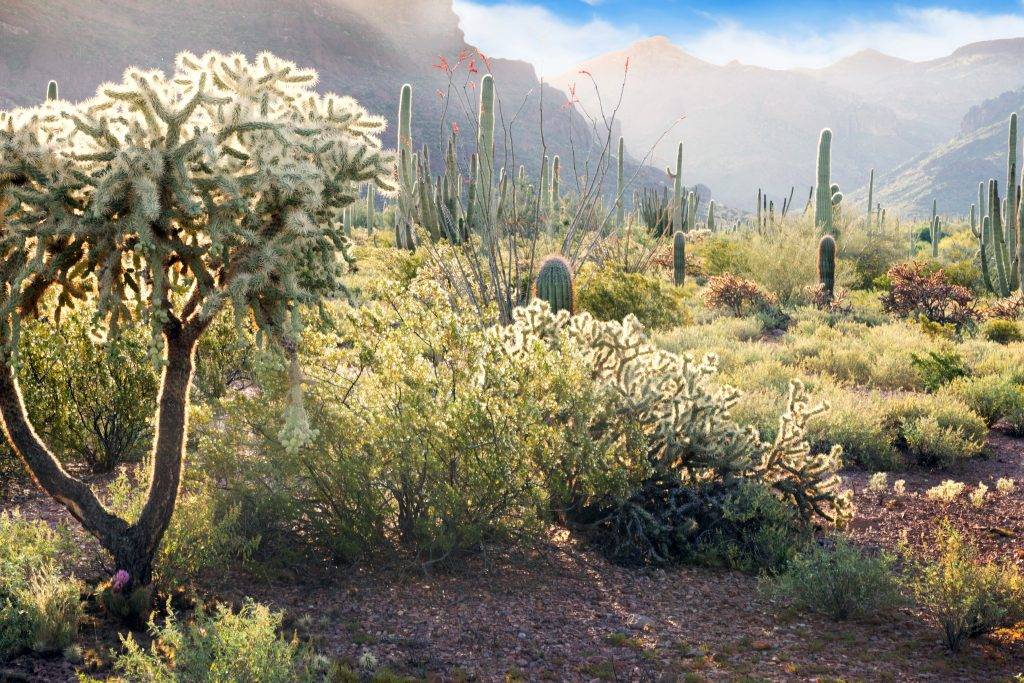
x=132 y=546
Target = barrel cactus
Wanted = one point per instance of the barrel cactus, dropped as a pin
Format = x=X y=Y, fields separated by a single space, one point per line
x=554 y=284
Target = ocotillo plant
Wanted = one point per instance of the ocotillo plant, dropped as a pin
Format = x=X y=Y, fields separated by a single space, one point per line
x=620 y=187
x=554 y=284
x=827 y=265
x=823 y=199
x=679 y=258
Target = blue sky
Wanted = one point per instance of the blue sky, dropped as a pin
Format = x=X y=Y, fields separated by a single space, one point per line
x=557 y=34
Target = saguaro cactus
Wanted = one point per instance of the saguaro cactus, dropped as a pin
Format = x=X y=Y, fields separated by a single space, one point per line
x=554 y=284
x=871 y=197
x=711 y=216
x=371 y=207
x=678 y=208
x=679 y=258
x=827 y=265
x=823 y=197
x=51 y=90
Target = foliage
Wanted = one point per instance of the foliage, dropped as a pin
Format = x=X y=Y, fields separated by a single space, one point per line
x=936 y=431
x=608 y=293
x=39 y=607
x=939 y=368
x=736 y=295
x=1001 y=331
x=1009 y=308
x=915 y=291
x=204 y=535
x=222 y=646
x=90 y=399
x=996 y=398
x=839 y=580
x=966 y=597
x=425 y=436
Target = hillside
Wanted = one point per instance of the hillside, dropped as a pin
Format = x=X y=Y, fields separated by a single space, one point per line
x=363 y=48
x=747 y=127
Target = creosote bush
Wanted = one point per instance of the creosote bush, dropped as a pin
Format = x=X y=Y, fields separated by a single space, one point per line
x=609 y=293
x=1001 y=331
x=968 y=598
x=839 y=580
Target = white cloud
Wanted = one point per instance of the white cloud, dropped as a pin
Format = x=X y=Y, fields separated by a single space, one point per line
x=914 y=33
x=553 y=44
x=535 y=34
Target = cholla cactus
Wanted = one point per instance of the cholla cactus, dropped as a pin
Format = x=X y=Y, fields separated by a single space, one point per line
x=169 y=197
x=686 y=421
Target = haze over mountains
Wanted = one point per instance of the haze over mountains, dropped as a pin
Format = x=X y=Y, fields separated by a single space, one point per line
x=929 y=128
x=363 y=48
x=747 y=127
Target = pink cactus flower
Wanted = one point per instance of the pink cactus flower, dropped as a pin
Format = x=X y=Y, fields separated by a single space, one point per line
x=121 y=580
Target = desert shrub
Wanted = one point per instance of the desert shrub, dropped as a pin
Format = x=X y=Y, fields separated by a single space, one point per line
x=39 y=607
x=994 y=397
x=968 y=598
x=609 y=293
x=424 y=436
x=939 y=368
x=871 y=257
x=204 y=534
x=1009 y=308
x=1001 y=331
x=859 y=424
x=736 y=295
x=218 y=647
x=90 y=399
x=935 y=430
x=721 y=255
x=915 y=291
x=224 y=358
x=838 y=580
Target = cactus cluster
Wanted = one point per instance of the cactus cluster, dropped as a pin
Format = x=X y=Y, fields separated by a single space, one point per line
x=998 y=230
x=435 y=203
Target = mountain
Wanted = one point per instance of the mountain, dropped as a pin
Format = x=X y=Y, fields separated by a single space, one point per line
x=950 y=173
x=747 y=127
x=363 y=48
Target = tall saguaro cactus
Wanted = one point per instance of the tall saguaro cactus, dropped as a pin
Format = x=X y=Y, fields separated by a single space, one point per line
x=1010 y=217
x=485 y=149
x=871 y=198
x=711 y=216
x=678 y=207
x=51 y=90
x=823 y=211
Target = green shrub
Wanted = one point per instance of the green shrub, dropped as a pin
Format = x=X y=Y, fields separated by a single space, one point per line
x=219 y=647
x=859 y=424
x=968 y=598
x=90 y=400
x=939 y=368
x=204 y=535
x=39 y=608
x=936 y=430
x=995 y=398
x=1001 y=331
x=840 y=582
x=609 y=293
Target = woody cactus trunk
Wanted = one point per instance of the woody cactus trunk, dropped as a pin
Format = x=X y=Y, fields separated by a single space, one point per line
x=205 y=182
